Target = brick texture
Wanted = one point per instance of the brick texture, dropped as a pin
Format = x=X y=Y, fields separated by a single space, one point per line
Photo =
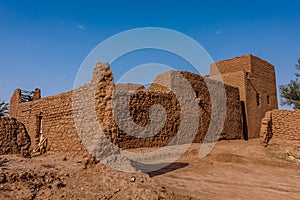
x=57 y=121
x=285 y=128
x=14 y=138
x=94 y=118
x=91 y=105
x=256 y=81
x=142 y=99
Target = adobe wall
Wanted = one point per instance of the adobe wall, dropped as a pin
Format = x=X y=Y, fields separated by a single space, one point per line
x=141 y=100
x=91 y=105
x=285 y=128
x=140 y=103
x=231 y=65
x=286 y=124
x=236 y=79
x=232 y=128
x=252 y=76
x=14 y=138
x=263 y=81
x=57 y=122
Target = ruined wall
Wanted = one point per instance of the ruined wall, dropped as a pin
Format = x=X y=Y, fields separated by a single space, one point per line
x=140 y=103
x=57 y=122
x=71 y=120
x=14 y=138
x=255 y=79
x=285 y=126
x=232 y=128
x=142 y=99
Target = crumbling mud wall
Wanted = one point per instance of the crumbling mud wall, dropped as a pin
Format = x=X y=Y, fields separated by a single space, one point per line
x=14 y=138
x=266 y=132
x=140 y=102
x=51 y=117
x=232 y=128
x=285 y=128
x=84 y=120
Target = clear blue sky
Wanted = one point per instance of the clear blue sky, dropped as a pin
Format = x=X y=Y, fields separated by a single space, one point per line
x=43 y=43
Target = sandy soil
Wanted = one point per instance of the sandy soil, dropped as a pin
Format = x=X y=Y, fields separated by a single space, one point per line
x=58 y=177
x=233 y=170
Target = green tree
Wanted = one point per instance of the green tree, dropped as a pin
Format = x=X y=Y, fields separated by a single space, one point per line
x=4 y=108
x=290 y=93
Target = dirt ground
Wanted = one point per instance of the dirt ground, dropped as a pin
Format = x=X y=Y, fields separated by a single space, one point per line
x=233 y=170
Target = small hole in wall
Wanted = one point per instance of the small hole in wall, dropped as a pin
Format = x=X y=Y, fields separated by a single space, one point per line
x=268 y=99
x=257 y=99
x=247 y=75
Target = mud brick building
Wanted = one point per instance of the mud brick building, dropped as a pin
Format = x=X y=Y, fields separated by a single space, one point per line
x=71 y=120
x=256 y=81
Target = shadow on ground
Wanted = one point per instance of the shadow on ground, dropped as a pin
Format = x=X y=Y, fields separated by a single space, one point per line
x=163 y=168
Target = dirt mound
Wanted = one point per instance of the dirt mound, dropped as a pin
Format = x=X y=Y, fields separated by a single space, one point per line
x=233 y=170
x=59 y=177
x=14 y=138
x=228 y=157
x=120 y=163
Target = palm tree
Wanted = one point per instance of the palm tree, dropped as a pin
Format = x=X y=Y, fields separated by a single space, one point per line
x=4 y=108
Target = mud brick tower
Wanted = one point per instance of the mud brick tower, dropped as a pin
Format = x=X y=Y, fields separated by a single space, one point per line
x=256 y=81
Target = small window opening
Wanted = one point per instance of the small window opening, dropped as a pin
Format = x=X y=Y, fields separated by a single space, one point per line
x=268 y=99
x=247 y=75
x=40 y=128
x=41 y=125
x=43 y=141
x=257 y=99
